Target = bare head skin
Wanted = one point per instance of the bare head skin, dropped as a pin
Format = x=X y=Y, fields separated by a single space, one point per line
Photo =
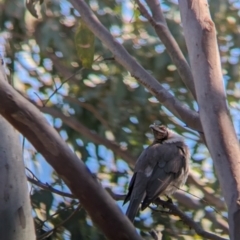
x=160 y=132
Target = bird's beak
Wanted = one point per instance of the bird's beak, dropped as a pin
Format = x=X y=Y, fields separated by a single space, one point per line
x=153 y=126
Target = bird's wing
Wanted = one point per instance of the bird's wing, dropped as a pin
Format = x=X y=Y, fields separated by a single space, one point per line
x=144 y=167
x=130 y=188
x=136 y=194
x=138 y=184
x=170 y=162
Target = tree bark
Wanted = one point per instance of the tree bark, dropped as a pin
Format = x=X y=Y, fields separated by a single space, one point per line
x=200 y=35
x=16 y=222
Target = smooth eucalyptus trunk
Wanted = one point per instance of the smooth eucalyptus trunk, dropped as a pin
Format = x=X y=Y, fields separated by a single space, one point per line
x=200 y=35
x=16 y=222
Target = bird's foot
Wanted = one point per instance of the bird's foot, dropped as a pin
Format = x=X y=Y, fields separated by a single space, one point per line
x=169 y=200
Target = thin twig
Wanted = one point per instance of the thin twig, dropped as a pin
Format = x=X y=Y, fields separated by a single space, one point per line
x=209 y=196
x=49 y=188
x=66 y=80
x=194 y=204
x=221 y=223
x=49 y=233
x=115 y=196
x=88 y=107
x=32 y=173
x=58 y=212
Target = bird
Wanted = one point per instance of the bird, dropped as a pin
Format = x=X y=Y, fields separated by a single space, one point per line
x=161 y=169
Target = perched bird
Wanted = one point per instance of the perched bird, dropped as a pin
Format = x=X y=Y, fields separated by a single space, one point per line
x=160 y=169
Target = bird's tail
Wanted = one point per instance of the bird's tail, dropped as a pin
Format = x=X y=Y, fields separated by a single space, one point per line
x=136 y=194
x=133 y=208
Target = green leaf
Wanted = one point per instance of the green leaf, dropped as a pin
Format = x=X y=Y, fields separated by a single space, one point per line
x=84 y=42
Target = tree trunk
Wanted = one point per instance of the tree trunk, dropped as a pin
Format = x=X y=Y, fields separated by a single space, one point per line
x=16 y=222
x=200 y=35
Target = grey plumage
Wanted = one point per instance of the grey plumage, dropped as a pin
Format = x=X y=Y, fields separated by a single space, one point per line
x=161 y=169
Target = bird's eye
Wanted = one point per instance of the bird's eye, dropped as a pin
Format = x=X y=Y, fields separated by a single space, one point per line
x=163 y=129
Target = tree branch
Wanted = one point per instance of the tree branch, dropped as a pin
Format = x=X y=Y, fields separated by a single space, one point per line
x=195 y=204
x=29 y=121
x=90 y=108
x=189 y=203
x=155 y=7
x=79 y=127
x=209 y=196
x=187 y=220
x=200 y=35
x=49 y=188
x=160 y=25
x=180 y=110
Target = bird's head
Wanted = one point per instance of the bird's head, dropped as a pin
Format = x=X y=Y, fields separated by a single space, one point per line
x=163 y=134
x=160 y=132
